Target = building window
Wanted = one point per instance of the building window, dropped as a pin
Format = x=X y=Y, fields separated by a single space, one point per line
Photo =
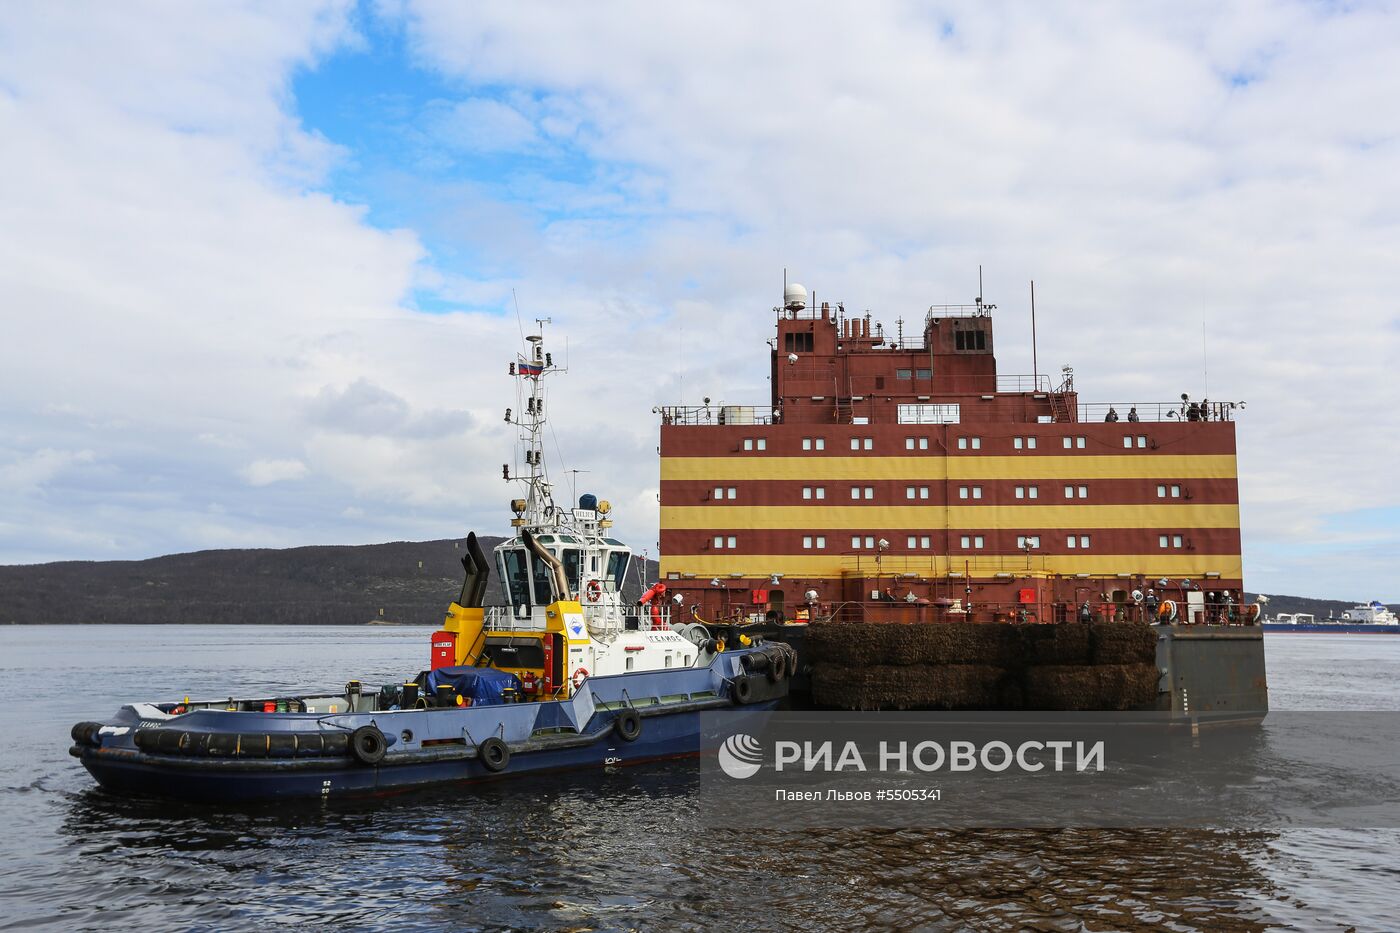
x=748 y=443
x=1141 y=441
x=1083 y=542
x=1161 y=492
x=972 y=492
x=1069 y=492
x=806 y=492
x=923 y=492
x=1068 y=443
x=869 y=542
x=929 y=414
x=924 y=542
x=976 y=492
x=1069 y=542
x=908 y=492
x=806 y=443
x=719 y=543
x=908 y=443
x=1027 y=541
x=860 y=419
x=1176 y=492
x=977 y=542
x=821 y=543
x=1127 y=442
x=1161 y=540
x=1083 y=492
x=1020 y=492
x=1176 y=540
x=807 y=542
x=912 y=542
x=962 y=443
x=966 y=541
x=869 y=443
x=763 y=443
x=1017 y=442
x=818 y=542
x=870 y=492
x=963 y=492
x=855 y=492
x=977 y=443
x=855 y=443
x=904 y=374
x=820 y=442
x=1079 y=442
x=1030 y=443
x=1027 y=492
x=855 y=542
x=923 y=374
x=923 y=443
x=821 y=492
x=719 y=492
x=733 y=493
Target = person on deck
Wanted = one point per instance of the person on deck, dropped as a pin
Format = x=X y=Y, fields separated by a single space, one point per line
x=1085 y=615
x=1132 y=414
x=1149 y=606
x=1193 y=412
x=1112 y=414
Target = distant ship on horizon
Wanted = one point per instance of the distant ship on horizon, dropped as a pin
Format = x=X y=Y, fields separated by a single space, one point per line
x=1372 y=618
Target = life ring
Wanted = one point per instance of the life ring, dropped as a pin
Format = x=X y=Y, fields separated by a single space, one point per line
x=595 y=591
x=1166 y=610
x=628 y=725
x=580 y=676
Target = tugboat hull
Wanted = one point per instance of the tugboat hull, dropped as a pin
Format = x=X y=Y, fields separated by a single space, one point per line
x=237 y=757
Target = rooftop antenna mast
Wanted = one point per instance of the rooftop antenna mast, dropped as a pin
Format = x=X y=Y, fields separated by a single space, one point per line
x=1035 y=361
x=1205 y=364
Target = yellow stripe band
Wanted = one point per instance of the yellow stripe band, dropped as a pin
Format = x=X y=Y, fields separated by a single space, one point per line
x=807 y=469
x=1028 y=517
x=1173 y=566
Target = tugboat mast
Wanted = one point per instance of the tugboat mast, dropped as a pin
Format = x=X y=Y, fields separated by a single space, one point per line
x=537 y=510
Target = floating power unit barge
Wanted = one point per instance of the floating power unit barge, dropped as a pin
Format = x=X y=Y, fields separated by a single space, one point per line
x=899 y=480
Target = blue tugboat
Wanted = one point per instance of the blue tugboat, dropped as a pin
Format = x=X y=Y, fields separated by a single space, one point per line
x=567 y=674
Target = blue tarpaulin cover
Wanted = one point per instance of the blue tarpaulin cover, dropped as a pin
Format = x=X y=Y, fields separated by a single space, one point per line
x=481 y=685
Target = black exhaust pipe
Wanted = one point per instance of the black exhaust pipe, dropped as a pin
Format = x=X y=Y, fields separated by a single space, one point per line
x=483 y=572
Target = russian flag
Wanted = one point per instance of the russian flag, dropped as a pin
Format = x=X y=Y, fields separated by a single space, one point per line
x=530 y=369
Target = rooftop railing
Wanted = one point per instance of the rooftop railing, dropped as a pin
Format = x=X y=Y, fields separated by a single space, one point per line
x=1129 y=412
x=716 y=414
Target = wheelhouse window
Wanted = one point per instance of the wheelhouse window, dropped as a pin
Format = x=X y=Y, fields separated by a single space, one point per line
x=573 y=562
x=617 y=568
x=544 y=582
x=515 y=571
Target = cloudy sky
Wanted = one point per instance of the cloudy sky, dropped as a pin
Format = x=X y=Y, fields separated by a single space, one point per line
x=257 y=261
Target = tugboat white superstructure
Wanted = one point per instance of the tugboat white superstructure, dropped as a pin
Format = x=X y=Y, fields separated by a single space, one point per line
x=565 y=617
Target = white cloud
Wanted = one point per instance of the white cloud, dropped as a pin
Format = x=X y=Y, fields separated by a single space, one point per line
x=1151 y=168
x=181 y=299
x=267 y=472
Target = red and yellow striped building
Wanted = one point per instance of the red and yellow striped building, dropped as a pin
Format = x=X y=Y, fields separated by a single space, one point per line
x=900 y=480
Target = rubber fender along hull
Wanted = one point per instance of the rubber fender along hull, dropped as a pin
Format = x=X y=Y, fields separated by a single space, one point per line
x=671 y=735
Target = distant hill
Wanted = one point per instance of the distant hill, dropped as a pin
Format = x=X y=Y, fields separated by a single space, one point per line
x=409 y=582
